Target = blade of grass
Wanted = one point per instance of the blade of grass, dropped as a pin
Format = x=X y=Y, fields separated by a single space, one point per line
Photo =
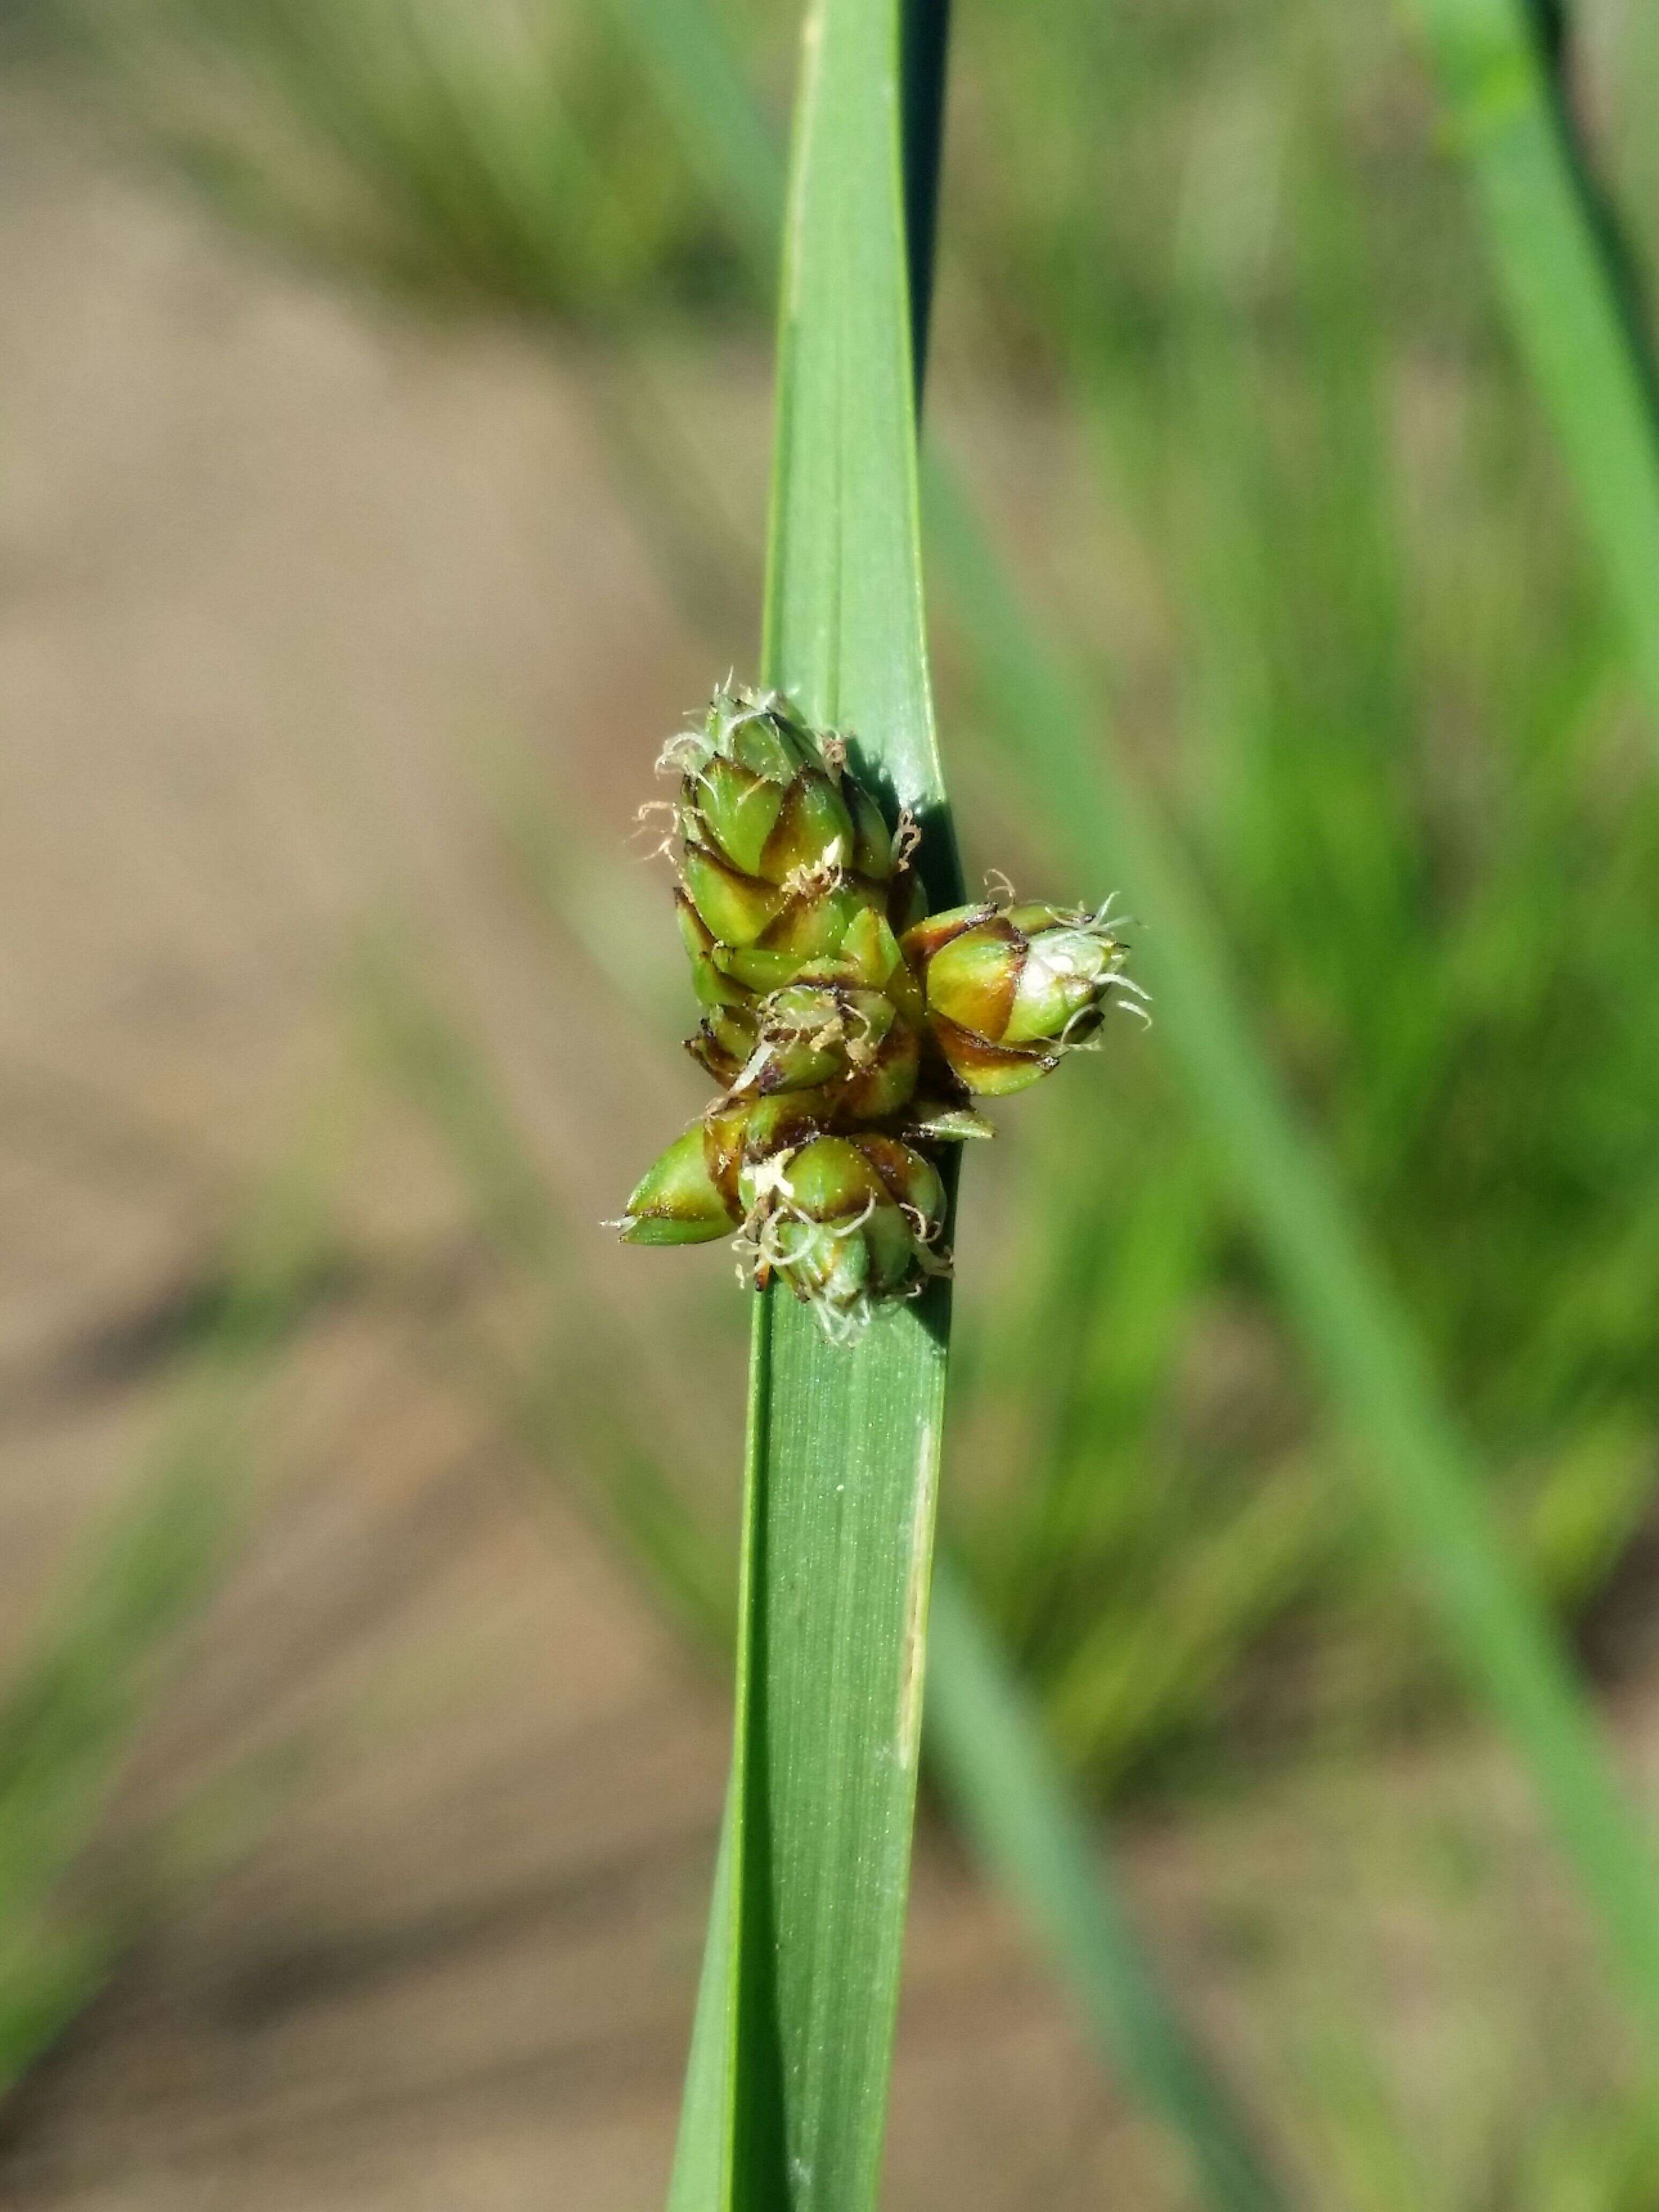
x=1574 y=319
x=1424 y=1480
x=987 y=1746
x=786 y=2095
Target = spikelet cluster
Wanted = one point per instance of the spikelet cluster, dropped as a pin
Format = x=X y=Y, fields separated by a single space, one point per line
x=849 y=1031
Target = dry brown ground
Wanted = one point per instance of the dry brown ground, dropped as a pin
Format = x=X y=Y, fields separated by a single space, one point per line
x=271 y=569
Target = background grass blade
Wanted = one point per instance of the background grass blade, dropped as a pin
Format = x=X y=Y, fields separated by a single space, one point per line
x=1570 y=304
x=1423 y=1477
x=985 y=1743
x=843 y=1445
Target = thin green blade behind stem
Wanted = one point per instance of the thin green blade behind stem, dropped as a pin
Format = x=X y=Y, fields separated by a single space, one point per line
x=787 y=2093
x=986 y=1744
x=1572 y=318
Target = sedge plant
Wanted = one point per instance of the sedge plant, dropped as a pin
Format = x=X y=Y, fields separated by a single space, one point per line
x=785 y=2091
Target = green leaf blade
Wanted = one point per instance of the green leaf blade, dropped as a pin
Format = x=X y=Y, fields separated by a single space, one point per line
x=845 y=627
x=847 y=1462
x=786 y=2097
x=988 y=1747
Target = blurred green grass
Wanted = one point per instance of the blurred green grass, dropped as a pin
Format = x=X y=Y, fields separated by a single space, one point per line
x=1321 y=552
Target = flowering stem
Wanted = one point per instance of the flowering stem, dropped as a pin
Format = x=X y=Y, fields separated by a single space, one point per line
x=787 y=2093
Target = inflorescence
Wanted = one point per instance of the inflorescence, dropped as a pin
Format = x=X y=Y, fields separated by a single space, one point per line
x=849 y=1030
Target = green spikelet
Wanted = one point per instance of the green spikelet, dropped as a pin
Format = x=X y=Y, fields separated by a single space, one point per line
x=1010 y=990
x=848 y=1223
x=783 y=849
x=677 y=1200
